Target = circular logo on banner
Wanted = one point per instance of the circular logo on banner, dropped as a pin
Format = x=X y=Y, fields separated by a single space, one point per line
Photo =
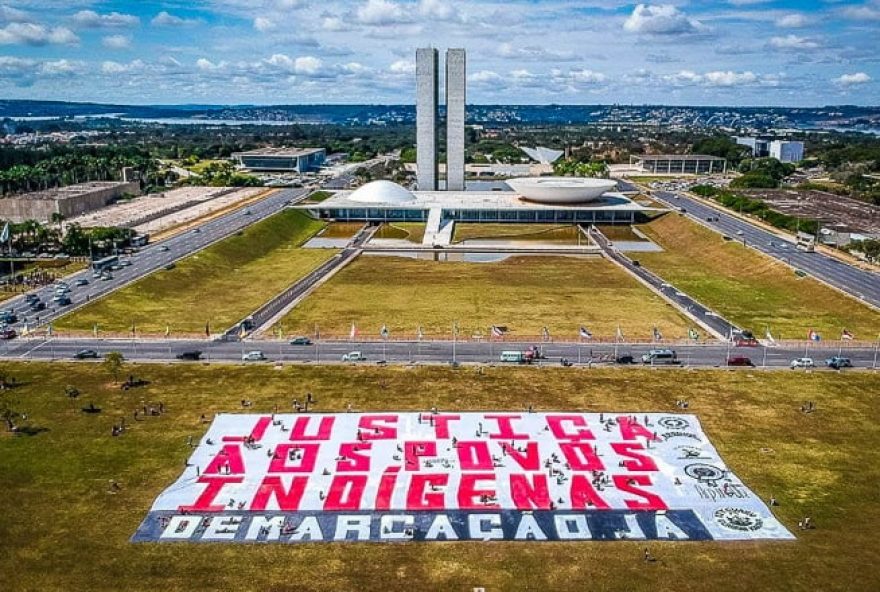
x=674 y=423
x=738 y=519
x=704 y=472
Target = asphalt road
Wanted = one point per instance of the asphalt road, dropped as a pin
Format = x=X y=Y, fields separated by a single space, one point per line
x=862 y=284
x=149 y=259
x=429 y=352
x=708 y=318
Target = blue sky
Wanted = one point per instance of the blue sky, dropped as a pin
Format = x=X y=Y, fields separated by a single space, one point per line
x=721 y=52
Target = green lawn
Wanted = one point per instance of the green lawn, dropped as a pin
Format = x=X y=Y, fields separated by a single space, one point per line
x=341 y=229
x=550 y=233
x=219 y=285
x=60 y=529
x=524 y=293
x=413 y=232
x=749 y=288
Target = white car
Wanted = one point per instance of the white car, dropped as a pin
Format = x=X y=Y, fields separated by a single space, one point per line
x=253 y=356
x=354 y=356
x=802 y=363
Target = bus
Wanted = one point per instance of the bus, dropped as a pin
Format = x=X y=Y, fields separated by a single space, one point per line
x=105 y=264
x=806 y=242
x=140 y=240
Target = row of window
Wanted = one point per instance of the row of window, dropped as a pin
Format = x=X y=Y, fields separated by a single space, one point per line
x=554 y=216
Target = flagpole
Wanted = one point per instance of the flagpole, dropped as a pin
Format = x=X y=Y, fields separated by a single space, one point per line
x=453 y=343
x=876 y=348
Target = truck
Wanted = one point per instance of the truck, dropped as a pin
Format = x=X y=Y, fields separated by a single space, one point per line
x=522 y=357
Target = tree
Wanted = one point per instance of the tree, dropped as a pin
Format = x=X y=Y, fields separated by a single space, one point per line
x=72 y=393
x=113 y=363
x=8 y=412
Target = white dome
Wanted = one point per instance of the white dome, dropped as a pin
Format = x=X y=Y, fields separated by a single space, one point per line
x=382 y=192
x=561 y=189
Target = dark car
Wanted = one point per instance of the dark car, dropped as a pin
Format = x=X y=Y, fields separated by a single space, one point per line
x=63 y=301
x=300 y=341
x=191 y=356
x=8 y=333
x=838 y=362
x=626 y=359
x=739 y=361
x=31 y=298
x=86 y=354
x=38 y=305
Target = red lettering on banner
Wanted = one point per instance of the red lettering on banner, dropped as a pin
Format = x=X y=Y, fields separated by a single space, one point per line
x=583 y=495
x=530 y=460
x=298 y=431
x=227 y=461
x=472 y=498
x=413 y=451
x=474 y=456
x=307 y=453
x=386 y=488
x=627 y=484
x=528 y=495
x=441 y=424
x=375 y=429
x=256 y=434
x=630 y=430
x=288 y=499
x=581 y=456
x=505 y=428
x=639 y=462
x=353 y=459
x=345 y=492
x=210 y=493
x=556 y=423
x=418 y=499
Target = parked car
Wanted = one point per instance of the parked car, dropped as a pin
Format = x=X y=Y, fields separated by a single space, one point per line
x=802 y=363
x=354 y=356
x=739 y=361
x=190 y=356
x=838 y=362
x=300 y=341
x=85 y=354
x=8 y=333
x=253 y=356
x=625 y=359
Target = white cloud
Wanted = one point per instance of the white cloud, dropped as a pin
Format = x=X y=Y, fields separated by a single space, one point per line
x=852 y=79
x=794 y=20
x=533 y=52
x=439 y=10
x=263 y=24
x=116 y=41
x=308 y=65
x=662 y=19
x=33 y=34
x=165 y=19
x=793 y=42
x=403 y=67
x=382 y=12
x=719 y=78
x=334 y=23
x=865 y=12
x=13 y=15
x=90 y=19
x=486 y=77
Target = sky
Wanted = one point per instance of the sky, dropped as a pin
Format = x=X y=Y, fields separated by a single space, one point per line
x=717 y=52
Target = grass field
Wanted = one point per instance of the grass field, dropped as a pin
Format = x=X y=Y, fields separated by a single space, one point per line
x=749 y=288
x=60 y=529
x=219 y=285
x=550 y=233
x=524 y=293
x=619 y=232
x=341 y=229
x=413 y=232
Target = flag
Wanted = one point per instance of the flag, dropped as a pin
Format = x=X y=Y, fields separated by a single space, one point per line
x=384 y=332
x=545 y=334
x=420 y=333
x=167 y=331
x=242 y=332
x=692 y=333
x=813 y=336
x=657 y=334
x=847 y=335
x=354 y=332
x=619 y=334
x=769 y=337
x=207 y=329
x=95 y=330
x=498 y=331
x=585 y=333
x=4 y=235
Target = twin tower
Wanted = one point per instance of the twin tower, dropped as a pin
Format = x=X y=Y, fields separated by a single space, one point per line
x=428 y=118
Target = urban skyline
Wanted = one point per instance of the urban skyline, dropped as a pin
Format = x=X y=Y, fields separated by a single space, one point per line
x=724 y=52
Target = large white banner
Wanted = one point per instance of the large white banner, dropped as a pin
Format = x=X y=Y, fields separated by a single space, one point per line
x=456 y=476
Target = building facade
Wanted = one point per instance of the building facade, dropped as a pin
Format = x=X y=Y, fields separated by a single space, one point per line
x=787 y=151
x=304 y=160
x=427 y=116
x=69 y=201
x=456 y=91
x=683 y=164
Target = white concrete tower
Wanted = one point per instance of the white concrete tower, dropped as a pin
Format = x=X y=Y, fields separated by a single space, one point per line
x=456 y=96
x=427 y=115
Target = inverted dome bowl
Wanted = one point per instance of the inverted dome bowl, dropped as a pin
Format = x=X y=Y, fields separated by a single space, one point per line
x=561 y=190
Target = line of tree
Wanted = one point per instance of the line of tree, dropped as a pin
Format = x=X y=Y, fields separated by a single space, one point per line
x=758 y=209
x=762 y=173
x=574 y=168
x=35 y=237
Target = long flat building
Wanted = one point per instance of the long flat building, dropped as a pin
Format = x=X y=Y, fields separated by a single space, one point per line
x=300 y=160
x=69 y=201
x=684 y=164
